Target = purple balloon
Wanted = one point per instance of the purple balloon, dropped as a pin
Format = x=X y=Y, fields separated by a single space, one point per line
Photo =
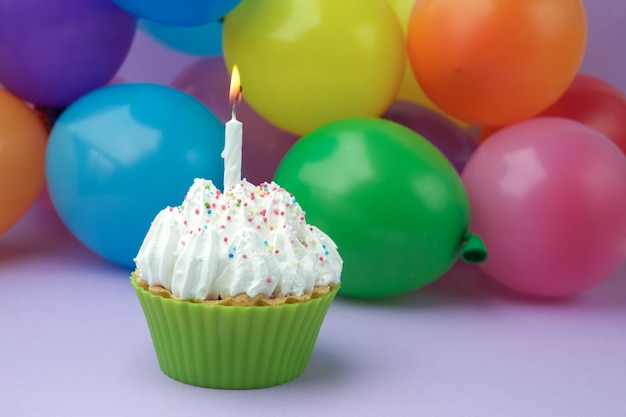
x=452 y=141
x=264 y=144
x=54 y=51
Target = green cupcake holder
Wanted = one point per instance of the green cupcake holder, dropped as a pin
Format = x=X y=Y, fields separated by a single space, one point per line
x=233 y=347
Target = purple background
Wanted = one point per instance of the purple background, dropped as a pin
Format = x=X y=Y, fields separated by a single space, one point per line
x=605 y=56
x=74 y=342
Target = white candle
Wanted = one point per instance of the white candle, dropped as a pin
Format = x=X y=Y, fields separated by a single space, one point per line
x=233 y=138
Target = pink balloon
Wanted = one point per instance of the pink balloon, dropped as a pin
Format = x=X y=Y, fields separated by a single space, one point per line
x=264 y=144
x=548 y=197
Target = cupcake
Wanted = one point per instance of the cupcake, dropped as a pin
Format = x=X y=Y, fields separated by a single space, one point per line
x=235 y=286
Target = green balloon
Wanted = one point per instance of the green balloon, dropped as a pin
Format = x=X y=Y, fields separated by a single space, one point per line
x=390 y=200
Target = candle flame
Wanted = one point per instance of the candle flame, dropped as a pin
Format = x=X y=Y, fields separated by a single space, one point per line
x=235 y=87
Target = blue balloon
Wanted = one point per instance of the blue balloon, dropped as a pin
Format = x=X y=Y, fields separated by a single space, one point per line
x=179 y=13
x=203 y=40
x=120 y=154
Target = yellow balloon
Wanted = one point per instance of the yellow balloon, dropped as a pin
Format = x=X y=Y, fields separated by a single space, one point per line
x=304 y=63
x=410 y=90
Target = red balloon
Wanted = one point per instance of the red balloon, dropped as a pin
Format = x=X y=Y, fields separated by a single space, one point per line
x=595 y=103
x=591 y=101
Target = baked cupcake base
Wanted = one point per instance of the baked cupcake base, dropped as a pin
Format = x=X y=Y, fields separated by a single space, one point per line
x=231 y=346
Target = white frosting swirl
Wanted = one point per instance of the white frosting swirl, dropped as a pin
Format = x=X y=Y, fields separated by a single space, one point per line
x=252 y=240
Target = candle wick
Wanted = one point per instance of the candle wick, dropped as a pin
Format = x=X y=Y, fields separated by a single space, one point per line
x=235 y=101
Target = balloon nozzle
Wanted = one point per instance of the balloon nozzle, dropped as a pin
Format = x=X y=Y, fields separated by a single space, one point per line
x=473 y=249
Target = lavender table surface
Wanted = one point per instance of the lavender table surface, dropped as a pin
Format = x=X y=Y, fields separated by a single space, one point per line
x=74 y=342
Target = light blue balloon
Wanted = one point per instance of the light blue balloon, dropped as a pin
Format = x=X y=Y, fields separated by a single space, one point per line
x=180 y=12
x=203 y=40
x=120 y=154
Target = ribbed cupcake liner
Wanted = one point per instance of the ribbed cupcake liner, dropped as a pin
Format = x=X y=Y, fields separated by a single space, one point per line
x=233 y=347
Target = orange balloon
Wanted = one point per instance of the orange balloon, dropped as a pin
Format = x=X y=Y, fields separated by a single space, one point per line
x=22 y=158
x=495 y=62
